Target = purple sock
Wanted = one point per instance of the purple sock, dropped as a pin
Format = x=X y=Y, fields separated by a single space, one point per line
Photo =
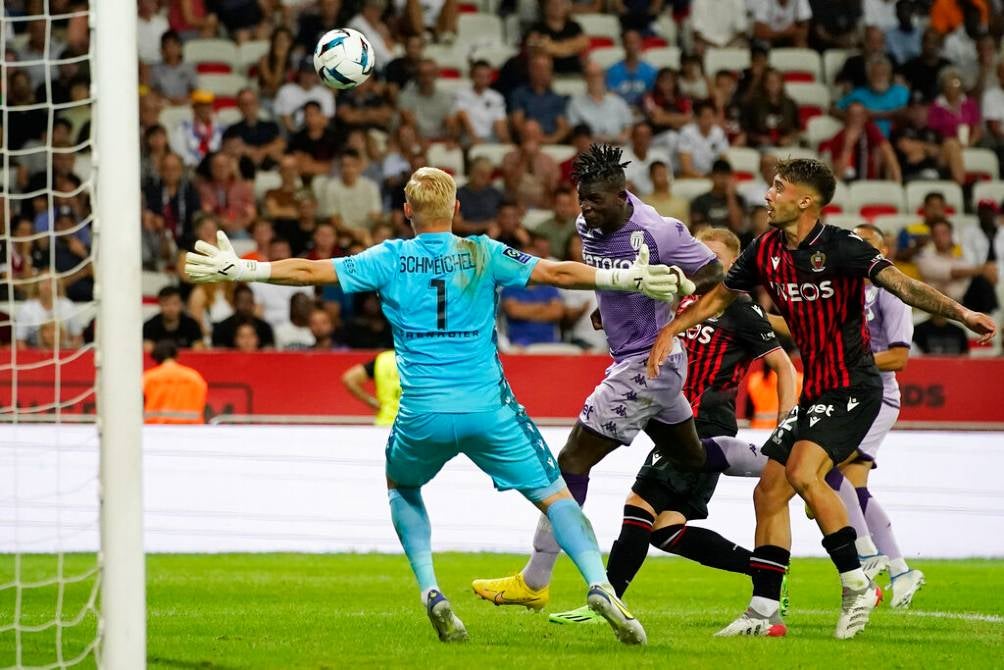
x=716 y=460
x=577 y=485
x=863 y=497
x=834 y=479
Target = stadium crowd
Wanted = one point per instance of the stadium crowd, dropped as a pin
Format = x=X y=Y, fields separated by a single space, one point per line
x=905 y=98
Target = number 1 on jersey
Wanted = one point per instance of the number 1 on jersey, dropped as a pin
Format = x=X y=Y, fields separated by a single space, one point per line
x=440 y=285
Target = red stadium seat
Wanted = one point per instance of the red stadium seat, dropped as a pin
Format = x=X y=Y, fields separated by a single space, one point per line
x=792 y=75
x=213 y=68
x=653 y=42
x=833 y=208
x=871 y=211
x=450 y=73
x=598 y=41
x=467 y=8
x=807 y=112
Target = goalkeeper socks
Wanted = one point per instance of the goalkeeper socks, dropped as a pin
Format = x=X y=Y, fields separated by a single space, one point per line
x=845 y=490
x=768 y=565
x=703 y=546
x=575 y=535
x=537 y=573
x=411 y=522
x=630 y=548
x=881 y=529
x=732 y=456
x=843 y=553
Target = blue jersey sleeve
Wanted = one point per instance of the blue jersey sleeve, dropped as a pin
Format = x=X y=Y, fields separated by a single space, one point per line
x=370 y=270
x=508 y=266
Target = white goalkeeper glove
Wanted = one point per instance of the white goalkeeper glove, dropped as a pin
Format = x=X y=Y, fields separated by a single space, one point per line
x=208 y=264
x=659 y=282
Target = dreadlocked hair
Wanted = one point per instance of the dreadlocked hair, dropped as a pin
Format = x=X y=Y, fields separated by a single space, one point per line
x=600 y=162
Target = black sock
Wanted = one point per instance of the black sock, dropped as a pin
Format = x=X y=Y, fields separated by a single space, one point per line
x=767 y=567
x=840 y=547
x=629 y=550
x=704 y=546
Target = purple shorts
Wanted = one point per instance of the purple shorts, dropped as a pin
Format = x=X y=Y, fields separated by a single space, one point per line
x=886 y=419
x=626 y=399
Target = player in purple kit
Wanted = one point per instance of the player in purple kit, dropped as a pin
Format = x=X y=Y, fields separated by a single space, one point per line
x=613 y=225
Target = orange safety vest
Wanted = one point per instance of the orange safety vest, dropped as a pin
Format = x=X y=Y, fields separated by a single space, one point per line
x=762 y=387
x=174 y=393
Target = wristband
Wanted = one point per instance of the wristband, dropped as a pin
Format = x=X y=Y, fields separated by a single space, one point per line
x=254 y=271
x=605 y=280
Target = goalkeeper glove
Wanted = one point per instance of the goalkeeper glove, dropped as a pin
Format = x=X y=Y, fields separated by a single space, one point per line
x=658 y=282
x=209 y=264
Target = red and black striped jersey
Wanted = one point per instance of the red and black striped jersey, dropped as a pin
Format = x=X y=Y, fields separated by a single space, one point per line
x=819 y=289
x=719 y=353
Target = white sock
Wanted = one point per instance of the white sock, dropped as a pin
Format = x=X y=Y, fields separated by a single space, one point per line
x=854 y=579
x=865 y=546
x=765 y=607
x=898 y=566
x=426 y=592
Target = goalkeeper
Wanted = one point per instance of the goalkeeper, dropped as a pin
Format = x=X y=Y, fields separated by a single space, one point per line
x=439 y=293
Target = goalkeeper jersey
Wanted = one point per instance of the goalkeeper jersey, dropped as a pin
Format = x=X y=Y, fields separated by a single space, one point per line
x=440 y=292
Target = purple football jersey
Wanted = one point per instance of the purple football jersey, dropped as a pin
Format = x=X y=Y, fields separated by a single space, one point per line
x=632 y=321
x=890 y=324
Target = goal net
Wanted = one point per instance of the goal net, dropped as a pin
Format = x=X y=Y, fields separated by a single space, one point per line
x=71 y=569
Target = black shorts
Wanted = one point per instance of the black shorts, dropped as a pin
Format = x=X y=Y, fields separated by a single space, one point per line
x=837 y=421
x=667 y=488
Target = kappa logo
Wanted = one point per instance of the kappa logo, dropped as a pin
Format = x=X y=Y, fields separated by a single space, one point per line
x=852 y=403
x=775 y=261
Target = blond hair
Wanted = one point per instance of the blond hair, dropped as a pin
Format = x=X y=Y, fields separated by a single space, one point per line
x=432 y=195
x=723 y=236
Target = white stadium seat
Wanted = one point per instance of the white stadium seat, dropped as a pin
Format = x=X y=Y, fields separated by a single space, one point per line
x=496 y=55
x=809 y=94
x=451 y=57
x=735 y=60
x=479 y=29
x=660 y=57
x=607 y=56
x=226 y=85
x=846 y=221
x=981 y=163
x=445 y=158
x=841 y=199
x=228 y=116
x=600 y=25
x=535 y=217
x=559 y=152
x=797 y=64
x=819 y=129
x=210 y=51
x=265 y=181
x=492 y=151
x=171 y=117
x=249 y=53
x=784 y=153
x=744 y=160
x=988 y=190
x=833 y=62
x=916 y=190
x=452 y=85
x=891 y=224
x=870 y=194
x=688 y=189
x=569 y=86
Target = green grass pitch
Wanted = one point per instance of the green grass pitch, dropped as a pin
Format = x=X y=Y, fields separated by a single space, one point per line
x=362 y=611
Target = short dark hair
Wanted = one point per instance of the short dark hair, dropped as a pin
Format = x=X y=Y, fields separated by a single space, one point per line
x=168 y=292
x=721 y=166
x=170 y=36
x=312 y=103
x=934 y=194
x=654 y=165
x=582 y=130
x=809 y=172
x=351 y=153
x=940 y=221
x=600 y=162
x=481 y=62
x=278 y=239
x=163 y=350
x=242 y=288
x=703 y=105
x=872 y=228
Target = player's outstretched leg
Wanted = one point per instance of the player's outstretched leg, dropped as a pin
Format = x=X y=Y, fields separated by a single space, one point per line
x=411 y=521
x=873 y=561
x=905 y=582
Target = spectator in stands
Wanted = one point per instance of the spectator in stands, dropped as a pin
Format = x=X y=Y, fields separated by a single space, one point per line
x=368 y=328
x=151 y=25
x=921 y=151
x=640 y=155
x=631 y=77
x=190 y=19
x=227 y=195
x=150 y=106
x=637 y=14
x=751 y=78
x=954 y=114
x=243 y=19
x=666 y=109
x=276 y=65
x=582 y=138
x=759 y=223
x=724 y=96
x=479 y=199
x=533 y=314
x=921 y=73
x=607 y=114
x=293 y=97
x=947 y=15
x=987 y=61
x=854 y=72
x=754 y=191
x=365 y=107
x=781 y=23
x=312 y=23
x=71 y=255
x=322 y=329
x=662 y=198
x=560 y=37
x=172 y=198
x=438 y=17
x=323 y=243
x=770 y=119
x=382 y=371
x=834 y=24
x=537 y=101
x=22 y=125
x=403 y=69
x=701 y=142
x=262 y=233
x=201 y=135
x=993 y=114
x=480 y=109
x=558 y=229
x=352 y=200
x=942 y=265
x=983 y=245
x=860 y=151
x=46 y=303
x=508 y=229
x=295 y=334
x=720 y=207
x=530 y=174
x=246 y=340
x=171 y=77
x=173 y=393
x=263 y=144
x=424 y=106
x=960 y=44
x=369 y=21
x=244 y=311
x=718 y=23
x=171 y=323
x=903 y=40
x=880 y=14
x=315 y=145
x=206 y=303
x=152 y=151
x=939 y=337
x=883 y=99
x=283 y=202
x=156 y=242
x=693 y=82
x=913 y=238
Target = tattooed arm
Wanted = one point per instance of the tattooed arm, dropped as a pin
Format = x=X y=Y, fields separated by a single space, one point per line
x=920 y=295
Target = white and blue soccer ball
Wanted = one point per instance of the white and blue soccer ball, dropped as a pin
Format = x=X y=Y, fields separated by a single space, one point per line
x=343 y=58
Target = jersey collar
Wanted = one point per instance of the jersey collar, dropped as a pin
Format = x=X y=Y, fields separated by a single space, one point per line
x=813 y=236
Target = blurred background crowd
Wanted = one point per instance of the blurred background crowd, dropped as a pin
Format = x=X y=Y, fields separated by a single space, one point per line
x=903 y=97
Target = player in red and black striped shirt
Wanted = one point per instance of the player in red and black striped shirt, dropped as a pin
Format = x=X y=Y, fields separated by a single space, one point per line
x=815 y=274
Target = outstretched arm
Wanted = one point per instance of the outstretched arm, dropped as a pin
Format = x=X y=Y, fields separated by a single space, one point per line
x=213 y=264
x=712 y=303
x=779 y=362
x=658 y=282
x=920 y=295
x=706 y=278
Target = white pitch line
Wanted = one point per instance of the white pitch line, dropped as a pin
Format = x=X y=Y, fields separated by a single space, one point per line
x=960 y=616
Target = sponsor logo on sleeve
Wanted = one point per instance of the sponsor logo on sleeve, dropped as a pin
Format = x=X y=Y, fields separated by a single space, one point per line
x=517 y=256
x=350 y=265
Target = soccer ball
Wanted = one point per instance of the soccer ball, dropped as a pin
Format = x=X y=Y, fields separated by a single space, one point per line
x=343 y=58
